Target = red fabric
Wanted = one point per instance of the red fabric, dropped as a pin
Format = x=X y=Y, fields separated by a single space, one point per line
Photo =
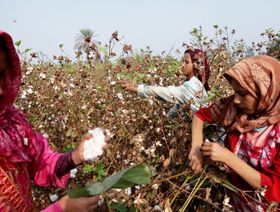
x=204 y=114
x=269 y=154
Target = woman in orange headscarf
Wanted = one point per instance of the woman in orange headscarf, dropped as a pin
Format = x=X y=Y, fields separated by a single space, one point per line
x=251 y=118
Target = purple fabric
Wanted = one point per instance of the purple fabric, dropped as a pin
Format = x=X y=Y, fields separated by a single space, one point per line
x=64 y=164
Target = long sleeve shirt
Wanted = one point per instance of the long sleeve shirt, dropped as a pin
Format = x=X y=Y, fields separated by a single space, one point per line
x=191 y=92
x=260 y=148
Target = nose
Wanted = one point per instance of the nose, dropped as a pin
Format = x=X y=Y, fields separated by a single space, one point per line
x=236 y=99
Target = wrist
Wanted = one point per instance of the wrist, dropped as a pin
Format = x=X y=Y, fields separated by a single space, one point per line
x=76 y=157
x=196 y=145
x=227 y=156
x=135 y=89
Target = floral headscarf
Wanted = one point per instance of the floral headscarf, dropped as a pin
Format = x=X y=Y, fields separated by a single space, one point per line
x=260 y=76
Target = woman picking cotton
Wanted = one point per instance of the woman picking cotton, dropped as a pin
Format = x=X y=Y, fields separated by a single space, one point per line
x=251 y=118
x=25 y=155
x=192 y=92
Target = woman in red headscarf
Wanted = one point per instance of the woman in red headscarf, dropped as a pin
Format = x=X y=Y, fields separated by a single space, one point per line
x=192 y=92
x=25 y=155
x=251 y=118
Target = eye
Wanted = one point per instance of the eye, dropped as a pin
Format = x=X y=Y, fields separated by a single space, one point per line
x=241 y=93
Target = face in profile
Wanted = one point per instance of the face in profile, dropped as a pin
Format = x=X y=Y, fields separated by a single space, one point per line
x=245 y=101
x=187 y=65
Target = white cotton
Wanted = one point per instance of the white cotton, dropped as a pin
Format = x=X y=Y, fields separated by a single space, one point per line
x=73 y=173
x=93 y=147
x=53 y=197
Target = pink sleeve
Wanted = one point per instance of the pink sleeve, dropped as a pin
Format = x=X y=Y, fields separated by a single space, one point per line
x=44 y=166
x=53 y=208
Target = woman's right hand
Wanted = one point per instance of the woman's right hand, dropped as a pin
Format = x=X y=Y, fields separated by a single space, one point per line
x=82 y=204
x=196 y=159
x=128 y=85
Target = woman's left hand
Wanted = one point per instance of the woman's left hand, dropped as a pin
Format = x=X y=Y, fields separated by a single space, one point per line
x=78 y=153
x=215 y=151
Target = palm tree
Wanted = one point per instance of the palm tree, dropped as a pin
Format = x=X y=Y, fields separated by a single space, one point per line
x=84 y=43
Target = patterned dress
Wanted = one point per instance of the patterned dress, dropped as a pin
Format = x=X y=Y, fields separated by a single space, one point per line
x=260 y=148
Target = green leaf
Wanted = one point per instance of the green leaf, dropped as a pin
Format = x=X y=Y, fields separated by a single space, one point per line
x=18 y=43
x=136 y=175
x=119 y=207
x=27 y=50
x=68 y=147
x=87 y=169
x=61 y=45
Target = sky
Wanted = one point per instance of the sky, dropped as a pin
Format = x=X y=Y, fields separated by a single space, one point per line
x=160 y=24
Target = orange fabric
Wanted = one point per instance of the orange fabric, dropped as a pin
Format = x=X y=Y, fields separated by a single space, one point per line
x=260 y=76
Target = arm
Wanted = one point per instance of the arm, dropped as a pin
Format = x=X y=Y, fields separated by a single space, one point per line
x=195 y=155
x=249 y=174
x=74 y=204
x=44 y=166
x=170 y=94
x=51 y=168
x=221 y=154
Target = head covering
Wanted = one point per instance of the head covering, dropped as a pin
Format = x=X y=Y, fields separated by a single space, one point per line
x=18 y=143
x=201 y=66
x=12 y=74
x=260 y=76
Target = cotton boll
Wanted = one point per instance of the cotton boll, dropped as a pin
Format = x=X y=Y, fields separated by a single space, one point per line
x=53 y=197
x=73 y=173
x=93 y=147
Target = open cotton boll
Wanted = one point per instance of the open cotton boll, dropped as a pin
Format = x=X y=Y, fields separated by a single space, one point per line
x=93 y=146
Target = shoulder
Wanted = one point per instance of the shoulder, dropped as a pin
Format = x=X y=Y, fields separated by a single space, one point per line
x=16 y=115
x=194 y=82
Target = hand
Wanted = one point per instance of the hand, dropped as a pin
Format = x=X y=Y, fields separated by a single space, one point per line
x=196 y=159
x=78 y=153
x=128 y=85
x=82 y=204
x=215 y=151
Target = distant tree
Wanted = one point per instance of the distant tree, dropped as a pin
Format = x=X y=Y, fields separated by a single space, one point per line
x=84 y=43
